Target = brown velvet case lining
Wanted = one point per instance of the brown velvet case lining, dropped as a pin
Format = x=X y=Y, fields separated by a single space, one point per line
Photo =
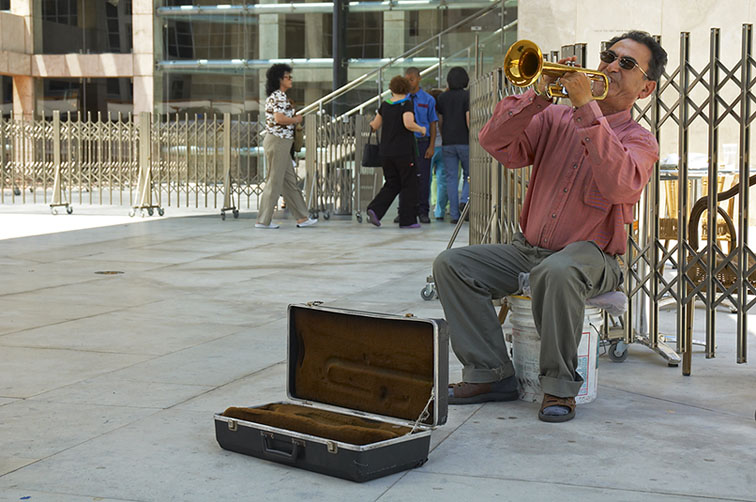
x=320 y=423
x=382 y=366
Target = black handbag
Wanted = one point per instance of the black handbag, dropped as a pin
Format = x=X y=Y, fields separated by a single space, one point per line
x=371 y=156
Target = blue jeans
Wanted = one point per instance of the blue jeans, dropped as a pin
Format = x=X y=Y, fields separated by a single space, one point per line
x=442 y=199
x=454 y=155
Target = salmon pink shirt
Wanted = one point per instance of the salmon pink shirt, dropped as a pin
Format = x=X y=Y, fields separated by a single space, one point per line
x=588 y=169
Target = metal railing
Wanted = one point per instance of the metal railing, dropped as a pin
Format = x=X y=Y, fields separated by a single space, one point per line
x=713 y=102
x=193 y=161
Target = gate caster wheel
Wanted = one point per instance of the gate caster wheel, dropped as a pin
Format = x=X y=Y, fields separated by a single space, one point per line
x=53 y=210
x=617 y=352
x=161 y=211
x=69 y=209
x=132 y=213
x=428 y=293
x=223 y=215
x=236 y=214
x=327 y=215
x=359 y=218
x=150 y=211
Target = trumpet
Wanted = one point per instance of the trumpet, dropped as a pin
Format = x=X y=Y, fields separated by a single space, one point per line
x=524 y=64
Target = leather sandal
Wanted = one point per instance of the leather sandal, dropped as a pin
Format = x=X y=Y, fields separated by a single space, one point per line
x=471 y=393
x=549 y=400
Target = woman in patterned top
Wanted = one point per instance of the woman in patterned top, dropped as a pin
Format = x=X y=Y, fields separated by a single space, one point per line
x=280 y=120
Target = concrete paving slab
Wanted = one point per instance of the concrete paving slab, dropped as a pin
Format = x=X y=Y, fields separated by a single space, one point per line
x=113 y=390
x=37 y=429
x=121 y=332
x=605 y=437
x=38 y=496
x=240 y=310
x=10 y=464
x=25 y=372
x=217 y=362
x=268 y=385
x=19 y=313
x=173 y=455
x=418 y=485
x=117 y=291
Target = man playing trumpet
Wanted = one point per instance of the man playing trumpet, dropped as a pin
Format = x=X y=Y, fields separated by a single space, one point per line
x=590 y=162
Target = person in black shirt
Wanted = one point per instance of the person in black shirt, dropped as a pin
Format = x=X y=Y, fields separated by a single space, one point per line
x=398 y=150
x=454 y=114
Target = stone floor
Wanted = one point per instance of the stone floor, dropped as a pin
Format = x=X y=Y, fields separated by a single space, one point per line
x=109 y=382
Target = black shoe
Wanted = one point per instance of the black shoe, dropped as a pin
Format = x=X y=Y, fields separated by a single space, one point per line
x=471 y=393
x=424 y=218
x=454 y=221
x=439 y=218
x=396 y=220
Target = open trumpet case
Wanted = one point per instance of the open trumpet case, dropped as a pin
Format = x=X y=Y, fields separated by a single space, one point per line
x=365 y=390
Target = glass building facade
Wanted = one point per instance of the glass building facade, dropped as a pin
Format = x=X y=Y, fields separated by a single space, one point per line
x=210 y=57
x=86 y=27
x=214 y=62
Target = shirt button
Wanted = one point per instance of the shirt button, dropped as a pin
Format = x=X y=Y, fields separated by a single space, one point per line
x=574 y=166
x=510 y=114
x=579 y=119
x=553 y=215
x=565 y=190
x=587 y=140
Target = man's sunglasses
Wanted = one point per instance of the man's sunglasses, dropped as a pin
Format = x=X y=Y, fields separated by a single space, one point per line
x=625 y=62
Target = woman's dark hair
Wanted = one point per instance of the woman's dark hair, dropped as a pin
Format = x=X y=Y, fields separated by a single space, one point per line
x=658 y=54
x=457 y=78
x=274 y=75
x=399 y=85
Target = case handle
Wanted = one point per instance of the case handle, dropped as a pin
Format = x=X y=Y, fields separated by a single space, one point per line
x=281 y=455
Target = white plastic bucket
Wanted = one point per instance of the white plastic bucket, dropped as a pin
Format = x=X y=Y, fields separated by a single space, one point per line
x=526 y=349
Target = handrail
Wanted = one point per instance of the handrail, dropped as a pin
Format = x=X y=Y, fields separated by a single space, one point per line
x=429 y=69
x=316 y=105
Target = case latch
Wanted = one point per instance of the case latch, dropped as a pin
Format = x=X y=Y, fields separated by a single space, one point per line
x=332 y=447
x=232 y=425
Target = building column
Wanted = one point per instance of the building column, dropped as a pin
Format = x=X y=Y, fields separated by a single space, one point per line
x=314 y=29
x=143 y=54
x=270 y=46
x=394 y=33
x=24 y=95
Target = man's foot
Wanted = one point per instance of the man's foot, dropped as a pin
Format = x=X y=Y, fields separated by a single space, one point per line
x=414 y=225
x=372 y=218
x=557 y=409
x=439 y=218
x=424 y=218
x=269 y=225
x=470 y=393
x=454 y=221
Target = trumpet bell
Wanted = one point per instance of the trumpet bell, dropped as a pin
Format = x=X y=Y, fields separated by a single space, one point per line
x=523 y=63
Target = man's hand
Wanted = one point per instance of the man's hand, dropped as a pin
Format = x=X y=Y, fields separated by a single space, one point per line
x=546 y=80
x=578 y=87
x=429 y=152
